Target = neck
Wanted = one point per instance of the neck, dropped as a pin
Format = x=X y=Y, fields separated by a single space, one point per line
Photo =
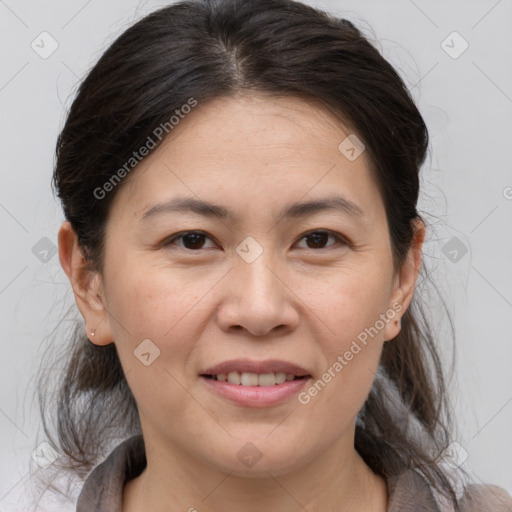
x=337 y=480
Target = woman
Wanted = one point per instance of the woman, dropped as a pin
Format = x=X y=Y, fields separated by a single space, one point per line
x=240 y=181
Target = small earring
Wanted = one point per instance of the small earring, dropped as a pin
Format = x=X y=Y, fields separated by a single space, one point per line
x=92 y=333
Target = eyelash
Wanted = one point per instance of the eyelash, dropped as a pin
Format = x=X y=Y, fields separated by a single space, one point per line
x=340 y=239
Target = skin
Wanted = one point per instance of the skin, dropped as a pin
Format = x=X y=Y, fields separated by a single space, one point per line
x=298 y=301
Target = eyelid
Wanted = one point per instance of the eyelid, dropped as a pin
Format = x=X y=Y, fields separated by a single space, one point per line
x=168 y=240
x=339 y=238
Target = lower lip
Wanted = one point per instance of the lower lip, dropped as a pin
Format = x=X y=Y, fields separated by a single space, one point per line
x=256 y=396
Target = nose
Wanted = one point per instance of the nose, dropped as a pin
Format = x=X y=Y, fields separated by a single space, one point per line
x=257 y=298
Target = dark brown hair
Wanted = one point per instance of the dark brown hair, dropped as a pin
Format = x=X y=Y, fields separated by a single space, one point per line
x=206 y=49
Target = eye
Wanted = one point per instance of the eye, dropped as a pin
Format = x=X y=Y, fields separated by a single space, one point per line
x=193 y=240
x=319 y=238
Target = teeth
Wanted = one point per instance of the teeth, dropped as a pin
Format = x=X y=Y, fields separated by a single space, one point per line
x=255 y=379
x=234 y=377
x=265 y=379
x=280 y=377
x=249 y=379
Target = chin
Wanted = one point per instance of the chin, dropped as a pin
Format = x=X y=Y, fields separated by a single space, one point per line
x=258 y=459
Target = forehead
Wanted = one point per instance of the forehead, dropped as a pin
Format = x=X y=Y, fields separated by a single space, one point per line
x=252 y=152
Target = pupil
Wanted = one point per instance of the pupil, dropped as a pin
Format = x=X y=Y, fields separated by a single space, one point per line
x=195 y=240
x=316 y=236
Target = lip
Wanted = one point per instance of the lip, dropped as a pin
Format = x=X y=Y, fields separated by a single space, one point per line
x=251 y=366
x=255 y=396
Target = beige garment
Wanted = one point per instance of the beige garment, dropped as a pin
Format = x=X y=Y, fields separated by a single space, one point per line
x=408 y=492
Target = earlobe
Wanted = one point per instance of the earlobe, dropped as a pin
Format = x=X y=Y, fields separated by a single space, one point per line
x=392 y=330
x=405 y=280
x=86 y=285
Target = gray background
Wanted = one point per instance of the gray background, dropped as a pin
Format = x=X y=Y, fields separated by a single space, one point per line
x=466 y=100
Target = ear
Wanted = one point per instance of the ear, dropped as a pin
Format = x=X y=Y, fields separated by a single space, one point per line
x=87 y=286
x=405 y=281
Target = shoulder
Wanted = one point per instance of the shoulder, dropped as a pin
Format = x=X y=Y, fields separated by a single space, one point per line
x=103 y=488
x=409 y=491
x=491 y=498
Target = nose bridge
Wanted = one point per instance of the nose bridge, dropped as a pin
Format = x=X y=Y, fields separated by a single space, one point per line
x=257 y=297
x=258 y=278
x=254 y=274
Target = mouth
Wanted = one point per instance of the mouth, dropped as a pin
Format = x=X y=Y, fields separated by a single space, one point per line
x=249 y=383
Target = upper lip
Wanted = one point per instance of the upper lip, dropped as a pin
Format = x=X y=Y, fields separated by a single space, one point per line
x=250 y=366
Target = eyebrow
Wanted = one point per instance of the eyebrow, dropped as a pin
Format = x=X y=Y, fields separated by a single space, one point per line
x=293 y=210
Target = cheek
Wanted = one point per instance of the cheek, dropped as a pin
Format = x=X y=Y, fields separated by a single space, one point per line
x=153 y=301
x=163 y=307
x=351 y=312
x=349 y=301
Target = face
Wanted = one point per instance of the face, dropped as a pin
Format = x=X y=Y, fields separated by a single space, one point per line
x=240 y=281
